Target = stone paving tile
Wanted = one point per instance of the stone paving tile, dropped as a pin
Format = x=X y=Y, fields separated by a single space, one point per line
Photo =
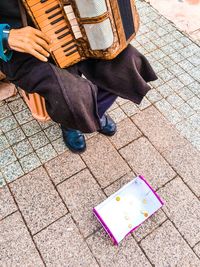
x=22 y=148
x=12 y=171
x=15 y=136
x=38 y=201
x=24 y=116
x=168 y=49
x=8 y=124
x=197 y=249
x=148 y=162
x=7 y=156
x=195 y=73
x=127 y=254
x=17 y=248
x=158 y=55
x=195 y=140
x=46 y=153
x=90 y=135
x=195 y=60
x=177 y=45
x=64 y=166
x=38 y=140
x=163 y=106
x=111 y=189
x=153 y=96
x=182 y=207
x=167 y=62
x=195 y=121
x=2 y=181
x=158 y=66
x=4 y=112
x=185 y=160
x=114 y=106
x=194 y=102
x=117 y=115
x=144 y=104
x=31 y=128
x=189 y=50
x=59 y=146
x=53 y=132
x=166 y=247
x=7 y=205
x=175 y=84
x=176 y=69
x=165 y=90
x=185 y=128
x=186 y=79
x=103 y=160
x=157 y=82
x=185 y=93
x=181 y=155
x=173 y=116
x=194 y=87
x=186 y=65
x=185 y=110
x=81 y=194
x=126 y=132
x=17 y=105
x=175 y=100
x=3 y=142
x=176 y=57
x=62 y=245
x=129 y=108
x=30 y=162
x=161 y=134
x=121 y=101
x=149 y=225
x=46 y=124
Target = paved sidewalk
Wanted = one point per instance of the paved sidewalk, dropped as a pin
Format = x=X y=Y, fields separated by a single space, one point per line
x=47 y=193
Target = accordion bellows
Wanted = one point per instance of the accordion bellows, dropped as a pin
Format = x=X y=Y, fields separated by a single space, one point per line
x=82 y=29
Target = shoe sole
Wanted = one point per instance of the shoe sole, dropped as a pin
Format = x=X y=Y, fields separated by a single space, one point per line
x=76 y=151
x=108 y=134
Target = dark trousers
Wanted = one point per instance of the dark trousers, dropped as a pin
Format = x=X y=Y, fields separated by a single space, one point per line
x=76 y=102
x=104 y=101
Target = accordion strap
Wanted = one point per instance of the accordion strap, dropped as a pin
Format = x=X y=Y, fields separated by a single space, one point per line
x=23 y=14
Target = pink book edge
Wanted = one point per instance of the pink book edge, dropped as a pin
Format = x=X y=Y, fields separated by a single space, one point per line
x=132 y=230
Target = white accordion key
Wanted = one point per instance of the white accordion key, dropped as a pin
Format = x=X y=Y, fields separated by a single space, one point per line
x=68 y=9
x=73 y=21
x=78 y=35
x=71 y=16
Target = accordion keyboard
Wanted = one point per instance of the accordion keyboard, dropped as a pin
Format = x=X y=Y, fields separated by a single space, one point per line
x=51 y=20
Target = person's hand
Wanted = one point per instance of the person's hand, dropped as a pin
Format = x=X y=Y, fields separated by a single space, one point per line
x=30 y=40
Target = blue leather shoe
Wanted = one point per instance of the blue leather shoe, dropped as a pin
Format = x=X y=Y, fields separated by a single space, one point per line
x=108 y=126
x=74 y=140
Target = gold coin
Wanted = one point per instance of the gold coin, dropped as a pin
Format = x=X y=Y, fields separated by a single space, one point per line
x=145 y=213
x=118 y=198
x=130 y=226
x=144 y=201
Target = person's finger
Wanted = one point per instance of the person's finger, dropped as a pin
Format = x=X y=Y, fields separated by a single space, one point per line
x=42 y=43
x=38 y=55
x=42 y=35
x=41 y=50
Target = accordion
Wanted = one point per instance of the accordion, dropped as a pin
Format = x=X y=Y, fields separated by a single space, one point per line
x=83 y=29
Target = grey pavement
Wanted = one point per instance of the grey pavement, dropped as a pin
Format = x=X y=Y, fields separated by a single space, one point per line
x=47 y=193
